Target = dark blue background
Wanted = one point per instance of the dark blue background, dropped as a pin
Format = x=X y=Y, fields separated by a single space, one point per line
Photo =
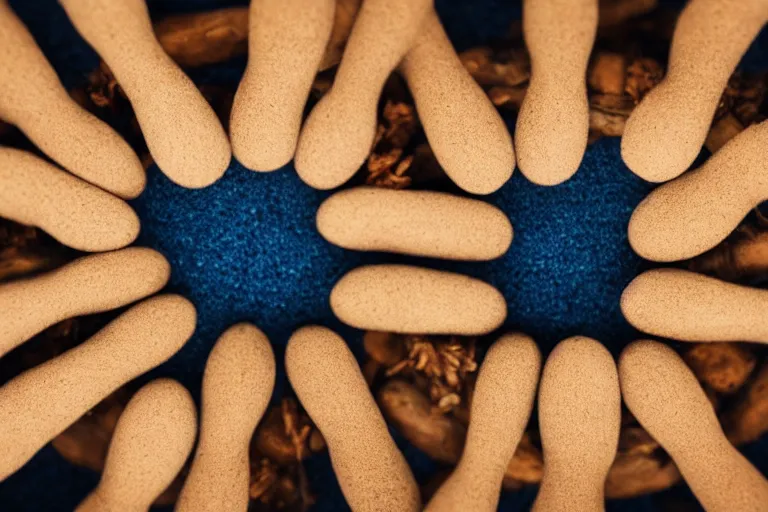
x=246 y=249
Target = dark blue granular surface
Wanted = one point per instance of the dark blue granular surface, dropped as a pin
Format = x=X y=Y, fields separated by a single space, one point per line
x=246 y=249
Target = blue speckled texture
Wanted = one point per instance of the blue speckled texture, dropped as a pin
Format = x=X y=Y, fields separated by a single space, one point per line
x=246 y=249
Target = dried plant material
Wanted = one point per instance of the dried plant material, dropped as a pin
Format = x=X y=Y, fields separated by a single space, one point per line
x=25 y=250
x=507 y=97
x=643 y=74
x=743 y=254
x=723 y=130
x=743 y=98
x=509 y=68
x=748 y=419
x=384 y=347
x=387 y=164
x=526 y=467
x=438 y=435
x=608 y=73
x=616 y=12
x=204 y=38
x=445 y=363
x=608 y=113
x=724 y=367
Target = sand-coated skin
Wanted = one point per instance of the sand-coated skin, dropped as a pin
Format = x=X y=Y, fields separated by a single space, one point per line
x=692 y=214
x=464 y=129
x=415 y=222
x=666 y=131
x=33 y=99
x=339 y=132
x=501 y=405
x=286 y=43
x=182 y=131
x=152 y=440
x=406 y=299
x=237 y=385
x=686 y=306
x=75 y=213
x=553 y=124
x=579 y=420
x=42 y=402
x=90 y=284
x=371 y=471
x=666 y=398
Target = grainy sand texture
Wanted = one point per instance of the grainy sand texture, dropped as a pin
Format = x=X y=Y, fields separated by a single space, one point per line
x=87 y=285
x=237 y=385
x=501 y=405
x=666 y=131
x=420 y=223
x=33 y=99
x=405 y=299
x=695 y=212
x=339 y=132
x=151 y=442
x=553 y=124
x=687 y=306
x=579 y=420
x=40 y=403
x=286 y=43
x=665 y=397
x=372 y=472
x=72 y=211
x=464 y=129
x=182 y=132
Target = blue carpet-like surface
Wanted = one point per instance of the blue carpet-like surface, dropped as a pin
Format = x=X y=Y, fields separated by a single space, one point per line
x=246 y=249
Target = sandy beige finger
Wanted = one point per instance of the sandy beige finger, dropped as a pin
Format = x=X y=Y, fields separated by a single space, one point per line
x=75 y=213
x=501 y=405
x=286 y=42
x=40 y=403
x=553 y=124
x=579 y=420
x=151 y=442
x=182 y=131
x=338 y=134
x=372 y=472
x=420 y=223
x=405 y=299
x=666 y=131
x=32 y=98
x=665 y=397
x=464 y=129
x=687 y=306
x=87 y=285
x=695 y=212
x=237 y=385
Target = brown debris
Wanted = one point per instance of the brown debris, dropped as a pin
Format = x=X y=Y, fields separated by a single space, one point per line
x=509 y=68
x=388 y=164
x=743 y=254
x=724 y=367
x=607 y=73
x=748 y=419
x=723 y=130
x=526 y=466
x=643 y=74
x=616 y=12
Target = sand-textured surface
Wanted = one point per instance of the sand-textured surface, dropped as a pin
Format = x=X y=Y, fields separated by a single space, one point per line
x=687 y=306
x=553 y=124
x=87 y=285
x=501 y=405
x=420 y=223
x=665 y=397
x=666 y=131
x=339 y=132
x=75 y=213
x=151 y=442
x=695 y=212
x=372 y=472
x=464 y=129
x=286 y=42
x=237 y=385
x=182 y=131
x=579 y=420
x=405 y=299
x=40 y=403
x=33 y=99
